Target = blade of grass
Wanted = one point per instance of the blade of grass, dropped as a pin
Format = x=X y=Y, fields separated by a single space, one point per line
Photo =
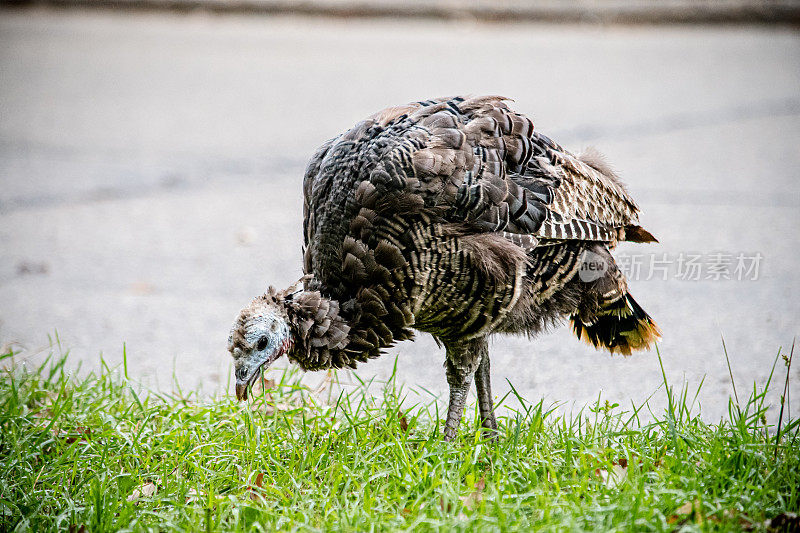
x=730 y=372
x=783 y=399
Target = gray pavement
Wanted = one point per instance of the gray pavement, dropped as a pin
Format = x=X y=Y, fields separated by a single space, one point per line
x=150 y=170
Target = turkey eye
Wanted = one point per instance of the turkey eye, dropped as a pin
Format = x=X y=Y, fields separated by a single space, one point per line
x=262 y=343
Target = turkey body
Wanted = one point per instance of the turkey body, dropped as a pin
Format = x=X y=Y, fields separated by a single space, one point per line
x=454 y=217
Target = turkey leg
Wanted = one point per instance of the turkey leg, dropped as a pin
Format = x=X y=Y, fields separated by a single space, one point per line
x=463 y=358
x=483 y=386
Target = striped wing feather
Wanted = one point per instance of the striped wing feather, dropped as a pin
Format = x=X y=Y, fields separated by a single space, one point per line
x=473 y=162
x=484 y=165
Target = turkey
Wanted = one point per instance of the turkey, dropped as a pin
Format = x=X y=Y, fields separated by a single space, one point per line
x=452 y=217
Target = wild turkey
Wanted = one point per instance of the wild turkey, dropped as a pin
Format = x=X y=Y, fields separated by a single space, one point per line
x=453 y=217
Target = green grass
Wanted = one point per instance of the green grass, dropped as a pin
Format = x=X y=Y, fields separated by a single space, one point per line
x=77 y=451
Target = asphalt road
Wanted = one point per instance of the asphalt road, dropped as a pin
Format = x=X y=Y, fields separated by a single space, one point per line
x=150 y=171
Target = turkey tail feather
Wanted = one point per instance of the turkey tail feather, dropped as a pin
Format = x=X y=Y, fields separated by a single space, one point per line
x=638 y=234
x=620 y=327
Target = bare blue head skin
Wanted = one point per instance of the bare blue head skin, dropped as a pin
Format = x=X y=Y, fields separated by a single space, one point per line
x=259 y=337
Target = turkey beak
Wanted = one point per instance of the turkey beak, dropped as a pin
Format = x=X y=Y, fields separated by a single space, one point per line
x=247 y=374
x=245 y=378
x=243 y=383
x=241 y=390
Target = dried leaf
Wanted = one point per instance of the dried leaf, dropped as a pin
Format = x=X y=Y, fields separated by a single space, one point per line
x=255 y=492
x=144 y=491
x=324 y=385
x=264 y=401
x=45 y=413
x=613 y=477
x=149 y=489
x=194 y=495
x=445 y=506
x=677 y=520
x=262 y=384
x=686 y=512
x=473 y=499
x=403 y=421
x=783 y=522
x=81 y=435
x=270 y=408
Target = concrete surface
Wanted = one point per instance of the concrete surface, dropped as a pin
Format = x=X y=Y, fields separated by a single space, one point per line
x=150 y=173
